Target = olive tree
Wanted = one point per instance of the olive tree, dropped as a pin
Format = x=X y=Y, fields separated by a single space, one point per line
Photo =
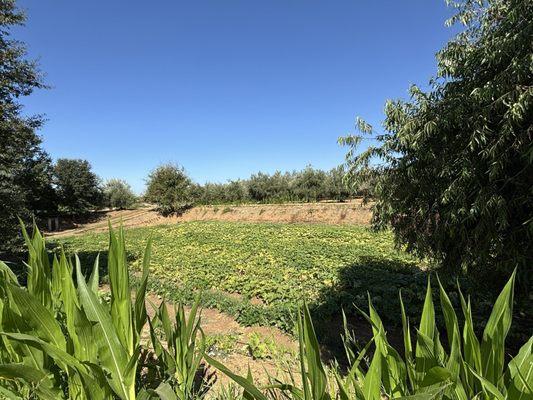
x=170 y=188
x=118 y=194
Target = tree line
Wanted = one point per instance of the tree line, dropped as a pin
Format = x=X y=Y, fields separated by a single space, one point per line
x=173 y=191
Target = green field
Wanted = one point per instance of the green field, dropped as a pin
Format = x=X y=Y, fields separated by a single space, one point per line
x=259 y=272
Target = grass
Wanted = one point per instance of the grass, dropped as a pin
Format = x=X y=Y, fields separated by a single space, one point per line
x=259 y=272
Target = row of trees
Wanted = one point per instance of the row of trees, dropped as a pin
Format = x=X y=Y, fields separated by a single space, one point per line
x=70 y=187
x=172 y=190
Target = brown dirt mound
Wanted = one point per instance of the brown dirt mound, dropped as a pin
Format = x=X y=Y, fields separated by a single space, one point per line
x=351 y=212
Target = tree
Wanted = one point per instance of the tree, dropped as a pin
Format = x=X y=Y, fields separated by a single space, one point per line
x=118 y=194
x=336 y=187
x=25 y=169
x=169 y=187
x=274 y=188
x=78 y=187
x=309 y=185
x=453 y=170
x=235 y=191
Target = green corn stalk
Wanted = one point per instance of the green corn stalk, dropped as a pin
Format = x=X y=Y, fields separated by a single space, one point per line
x=181 y=349
x=55 y=331
x=467 y=370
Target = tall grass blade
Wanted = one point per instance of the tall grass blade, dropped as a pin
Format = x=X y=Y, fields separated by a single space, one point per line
x=521 y=373
x=316 y=374
x=111 y=353
x=493 y=342
x=242 y=381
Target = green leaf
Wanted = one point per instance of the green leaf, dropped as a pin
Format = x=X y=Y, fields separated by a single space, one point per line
x=38 y=318
x=316 y=374
x=425 y=356
x=112 y=354
x=521 y=373
x=165 y=392
x=372 y=382
x=493 y=342
x=140 y=305
x=121 y=311
x=488 y=387
x=43 y=386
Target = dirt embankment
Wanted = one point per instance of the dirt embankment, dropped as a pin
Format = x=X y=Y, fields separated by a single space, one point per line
x=352 y=212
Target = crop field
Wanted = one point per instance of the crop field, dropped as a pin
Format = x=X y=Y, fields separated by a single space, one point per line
x=260 y=272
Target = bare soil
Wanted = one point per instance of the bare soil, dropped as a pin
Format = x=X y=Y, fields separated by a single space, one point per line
x=236 y=357
x=350 y=212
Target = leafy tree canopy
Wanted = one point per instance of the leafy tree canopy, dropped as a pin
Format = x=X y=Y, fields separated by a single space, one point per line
x=25 y=169
x=78 y=187
x=453 y=167
x=169 y=187
x=118 y=194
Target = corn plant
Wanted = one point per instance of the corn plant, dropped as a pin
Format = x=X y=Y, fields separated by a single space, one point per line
x=179 y=352
x=467 y=369
x=58 y=340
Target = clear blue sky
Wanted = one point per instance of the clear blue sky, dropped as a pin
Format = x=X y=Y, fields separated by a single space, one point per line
x=224 y=88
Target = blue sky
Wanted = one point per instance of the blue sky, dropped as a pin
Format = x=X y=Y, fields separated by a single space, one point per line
x=224 y=88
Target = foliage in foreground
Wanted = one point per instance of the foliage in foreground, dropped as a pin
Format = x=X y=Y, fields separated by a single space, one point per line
x=453 y=168
x=60 y=340
x=468 y=369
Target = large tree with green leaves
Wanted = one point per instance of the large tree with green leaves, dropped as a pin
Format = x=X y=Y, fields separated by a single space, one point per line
x=170 y=188
x=78 y=187
x=118 y=194
x=25 y=169
x=453 y=167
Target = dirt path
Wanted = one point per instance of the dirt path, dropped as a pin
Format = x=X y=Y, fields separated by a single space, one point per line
x=352 y=212
x=233 y=344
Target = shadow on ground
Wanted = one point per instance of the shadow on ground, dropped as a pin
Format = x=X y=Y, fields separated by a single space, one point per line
x=379 y=279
